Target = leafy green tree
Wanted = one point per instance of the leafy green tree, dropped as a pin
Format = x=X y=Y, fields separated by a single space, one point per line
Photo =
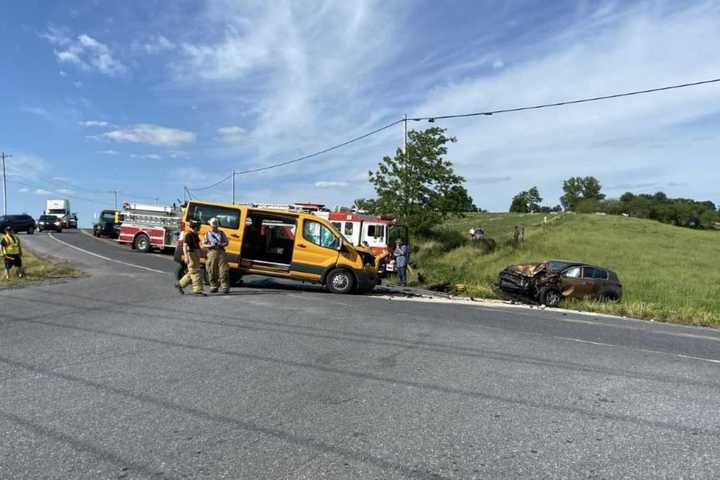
x=420 y=188
x=578 y=189
x=368 y=205
x=527 y=201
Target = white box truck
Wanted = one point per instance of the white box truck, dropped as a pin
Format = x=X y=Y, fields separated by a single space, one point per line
x=60 y=209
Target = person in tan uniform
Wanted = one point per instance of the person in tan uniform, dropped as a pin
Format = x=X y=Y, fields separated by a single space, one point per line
x=215 y=242
x=191 y=254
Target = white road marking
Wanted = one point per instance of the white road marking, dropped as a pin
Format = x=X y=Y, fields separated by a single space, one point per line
x=87 y=252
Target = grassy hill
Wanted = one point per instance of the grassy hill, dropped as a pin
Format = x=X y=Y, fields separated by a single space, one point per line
x=668 y=273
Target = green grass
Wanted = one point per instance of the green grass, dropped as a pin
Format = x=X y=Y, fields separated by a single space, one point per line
x=668 y=273
x=37 y=269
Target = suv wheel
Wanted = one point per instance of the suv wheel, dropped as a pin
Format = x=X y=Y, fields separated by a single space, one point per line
x=142 y=243
x=340 y=281
x=550 y=297
x=30 y=230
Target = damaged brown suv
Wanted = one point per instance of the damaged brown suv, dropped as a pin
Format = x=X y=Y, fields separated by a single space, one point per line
x=551 y=281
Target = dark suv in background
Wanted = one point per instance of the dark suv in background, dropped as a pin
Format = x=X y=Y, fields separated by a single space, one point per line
x=19 y=223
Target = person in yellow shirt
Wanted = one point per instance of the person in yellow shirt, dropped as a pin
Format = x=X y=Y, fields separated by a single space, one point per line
x=12 y=253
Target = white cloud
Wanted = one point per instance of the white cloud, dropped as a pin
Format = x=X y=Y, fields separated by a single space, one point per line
x=65 y=191
x=330 y=184
x=151 y=134
x=39 y=111
x=24 y=165
x=146 y=156
x=108 y=152
x=94 y=123
x=85 y=52
x=632 y=140
x=154 y=45
x=24 y=190
x=41 y=191
x=232 y=134
x=498 y=64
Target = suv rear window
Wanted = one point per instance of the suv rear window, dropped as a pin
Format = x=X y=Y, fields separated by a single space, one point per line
x=228 y=217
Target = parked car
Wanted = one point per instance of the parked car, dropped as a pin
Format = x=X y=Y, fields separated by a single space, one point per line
x=107 y=224
x=550 y=281
x=49 y=222
x=19 y=223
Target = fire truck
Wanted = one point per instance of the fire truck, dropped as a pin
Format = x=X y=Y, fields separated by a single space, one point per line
x=148 y=227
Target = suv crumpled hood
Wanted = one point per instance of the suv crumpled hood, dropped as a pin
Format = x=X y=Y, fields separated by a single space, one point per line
x=527 y=269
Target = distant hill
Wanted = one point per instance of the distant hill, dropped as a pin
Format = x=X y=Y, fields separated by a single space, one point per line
x=668 y=273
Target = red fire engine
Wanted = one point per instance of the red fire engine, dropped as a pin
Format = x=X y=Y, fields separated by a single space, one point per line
x=147 y=227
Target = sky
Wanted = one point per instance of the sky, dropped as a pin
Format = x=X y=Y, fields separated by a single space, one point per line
x=145 y=98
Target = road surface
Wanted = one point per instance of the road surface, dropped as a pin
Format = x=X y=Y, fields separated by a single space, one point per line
x=114 y=375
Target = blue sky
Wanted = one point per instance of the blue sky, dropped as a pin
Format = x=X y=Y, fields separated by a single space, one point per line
x=146 y=97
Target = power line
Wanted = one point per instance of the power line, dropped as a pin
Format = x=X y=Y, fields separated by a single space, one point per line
x=442 y=117
x=320 y=152
x=299 y=159
x=567 y=102
x=198 y=189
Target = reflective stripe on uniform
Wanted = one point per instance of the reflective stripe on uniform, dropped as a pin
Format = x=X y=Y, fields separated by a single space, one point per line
x=12 y=245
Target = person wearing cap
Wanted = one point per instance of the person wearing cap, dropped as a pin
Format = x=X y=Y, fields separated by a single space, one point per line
x=191 y=255
x=215 y=242
x=12 y=253
x=401 y=260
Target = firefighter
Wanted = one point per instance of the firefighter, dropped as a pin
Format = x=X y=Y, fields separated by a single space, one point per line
x=12 y=253
x=191 y=255
x=216 y=265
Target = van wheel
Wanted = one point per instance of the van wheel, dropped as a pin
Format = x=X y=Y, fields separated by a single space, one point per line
x=142 y=243
x=550 y=297
x=340 y=281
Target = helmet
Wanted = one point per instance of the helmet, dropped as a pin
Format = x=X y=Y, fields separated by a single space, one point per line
x=472 y=231
x=194 y=224
x=214 y=222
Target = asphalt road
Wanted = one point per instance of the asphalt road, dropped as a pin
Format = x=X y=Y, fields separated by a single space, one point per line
x=114 y=375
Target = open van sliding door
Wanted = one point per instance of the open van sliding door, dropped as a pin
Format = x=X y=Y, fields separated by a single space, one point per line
x=316 y=250
x=268 y=242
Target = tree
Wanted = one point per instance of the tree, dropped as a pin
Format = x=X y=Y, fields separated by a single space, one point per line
x=420 y=188
x=580 y=188
x=526 y=202
x=366 y=205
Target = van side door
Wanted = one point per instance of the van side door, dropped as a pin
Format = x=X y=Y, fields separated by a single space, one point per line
x=316 y=249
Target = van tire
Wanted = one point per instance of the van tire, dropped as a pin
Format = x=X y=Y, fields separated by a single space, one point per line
x=142 y=243
x=340 y=281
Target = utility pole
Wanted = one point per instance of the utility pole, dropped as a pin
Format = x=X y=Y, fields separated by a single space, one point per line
x=3 y=155
x=115 y=192
x=233 y=181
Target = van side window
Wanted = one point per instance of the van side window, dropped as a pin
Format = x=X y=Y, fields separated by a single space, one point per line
x=376 y=231
x=319 y=234
x=228 y=217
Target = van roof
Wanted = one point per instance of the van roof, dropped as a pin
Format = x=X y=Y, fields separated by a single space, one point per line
x=245 y=205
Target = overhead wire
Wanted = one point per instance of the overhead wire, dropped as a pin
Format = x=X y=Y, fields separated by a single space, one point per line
x=566 y=102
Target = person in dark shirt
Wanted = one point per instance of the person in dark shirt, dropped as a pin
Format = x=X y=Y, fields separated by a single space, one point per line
x=191 y=254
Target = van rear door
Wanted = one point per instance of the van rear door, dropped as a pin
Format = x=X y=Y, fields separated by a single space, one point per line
x=316 y=249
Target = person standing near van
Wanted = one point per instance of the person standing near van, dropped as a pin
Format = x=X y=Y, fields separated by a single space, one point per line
x=215 y=241
x=401 y=260
x=191 y=254
x=12 y=253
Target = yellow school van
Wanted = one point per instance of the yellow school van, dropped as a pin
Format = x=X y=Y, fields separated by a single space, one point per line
x=285 y=244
